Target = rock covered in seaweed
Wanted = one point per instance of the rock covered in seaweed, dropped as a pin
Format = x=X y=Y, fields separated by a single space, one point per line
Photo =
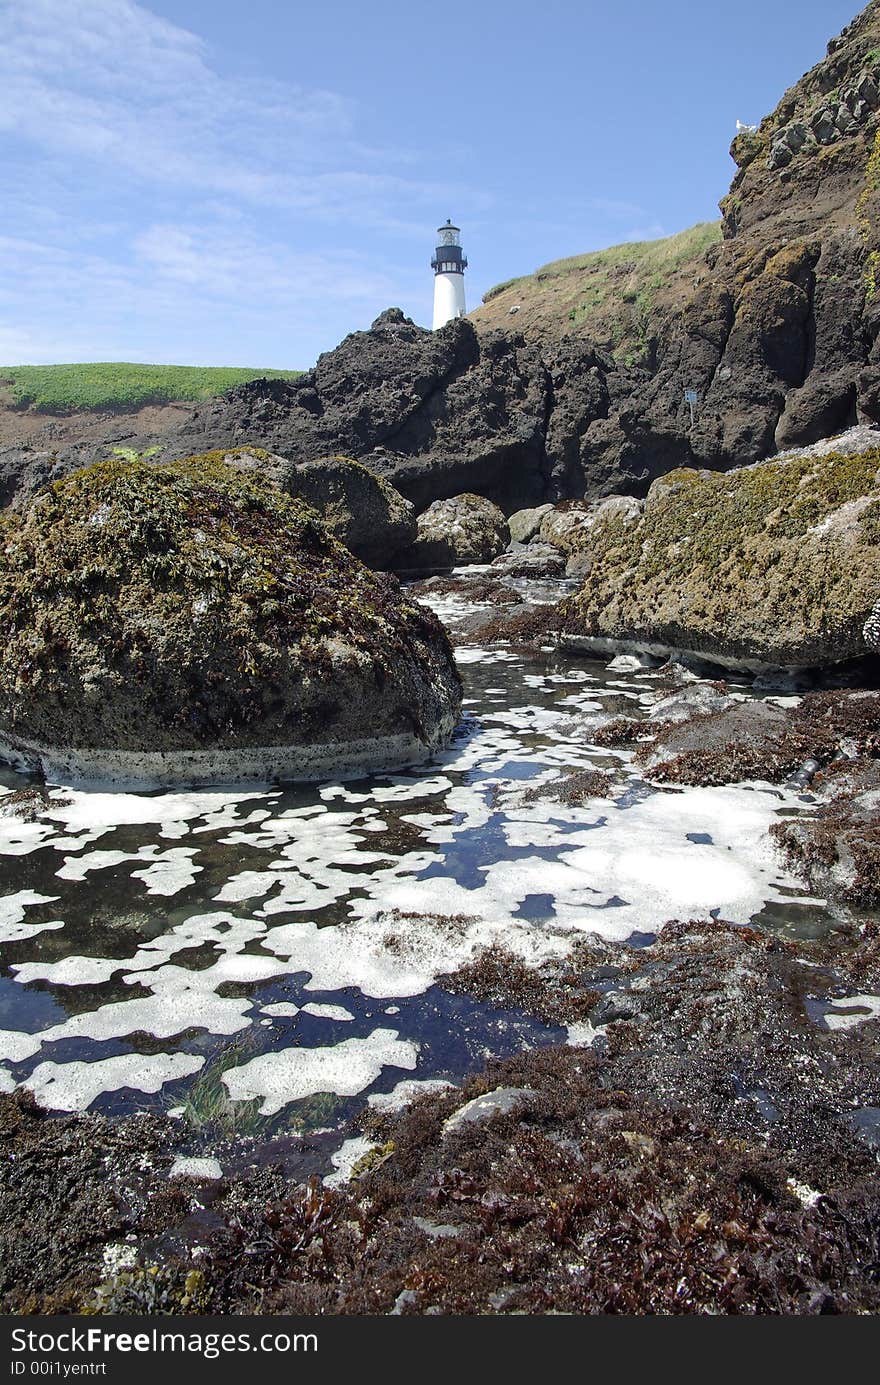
x=463 y=529
x=186 y=622
x=359 y=508
x=772 y=564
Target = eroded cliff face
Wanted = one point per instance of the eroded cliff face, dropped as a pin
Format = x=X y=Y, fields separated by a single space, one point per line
x=775 y=327
x=796 y=269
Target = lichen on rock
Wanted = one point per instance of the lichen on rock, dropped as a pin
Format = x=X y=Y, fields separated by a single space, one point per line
x=187 y=621
x=772 y=564
x=463 y=529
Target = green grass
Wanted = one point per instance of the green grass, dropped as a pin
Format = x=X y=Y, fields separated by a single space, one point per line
x=120 y=385
x=505 y=284
x=647 y=257
x=650 y=256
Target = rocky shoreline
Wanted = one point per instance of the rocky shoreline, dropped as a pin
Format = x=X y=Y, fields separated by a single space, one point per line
x=706 y=1142
x=714 y=1150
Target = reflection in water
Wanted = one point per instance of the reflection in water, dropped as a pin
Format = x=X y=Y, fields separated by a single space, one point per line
x=275 y=953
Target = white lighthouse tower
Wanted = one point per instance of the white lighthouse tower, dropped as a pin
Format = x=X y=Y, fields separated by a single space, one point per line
x=449 y=265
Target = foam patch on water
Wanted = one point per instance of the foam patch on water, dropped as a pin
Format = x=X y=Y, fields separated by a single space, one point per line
x=328 y=1012
x=169 y=873
x=357 y=891
x=852 y=1010
x=13 y=928
x=405 y=1092
x=74 y=1086
x=346 y=1157
x=472 y=654
x=346 y=1069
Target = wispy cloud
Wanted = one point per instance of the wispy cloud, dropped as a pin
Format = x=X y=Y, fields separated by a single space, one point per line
x=148 y=183
x=118 y=87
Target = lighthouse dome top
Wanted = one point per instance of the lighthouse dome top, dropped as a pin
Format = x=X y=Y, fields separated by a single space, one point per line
x=448 y=233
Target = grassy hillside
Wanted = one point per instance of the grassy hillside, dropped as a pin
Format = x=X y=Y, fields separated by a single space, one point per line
x=119 y=385
x=610 y=295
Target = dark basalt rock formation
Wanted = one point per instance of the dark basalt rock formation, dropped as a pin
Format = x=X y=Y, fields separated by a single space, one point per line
x=434 y=413
x=776 y=328
x=186 y=622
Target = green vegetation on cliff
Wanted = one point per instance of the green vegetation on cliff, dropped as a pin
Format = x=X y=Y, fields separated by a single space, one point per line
x=612 y=294
x=119 y=386
x=647 y=256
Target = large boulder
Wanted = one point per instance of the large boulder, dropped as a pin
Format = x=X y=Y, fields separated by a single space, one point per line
x=464 y=529
x=359 y=508
x=567 y=526
x=524 y=524
x=776 y=564
x=186 y=622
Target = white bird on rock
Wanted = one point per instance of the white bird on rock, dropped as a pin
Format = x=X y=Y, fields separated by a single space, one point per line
x=740 y=127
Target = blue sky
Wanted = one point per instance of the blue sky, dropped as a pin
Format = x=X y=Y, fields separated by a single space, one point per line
x=225 y=183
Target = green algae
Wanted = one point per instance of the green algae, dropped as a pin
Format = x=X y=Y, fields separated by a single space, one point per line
x=193 y=588
x=761 y=559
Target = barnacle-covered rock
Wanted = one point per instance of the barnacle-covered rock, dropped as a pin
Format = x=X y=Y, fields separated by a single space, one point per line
x=187 y=622
x=463 y=529
x=772 y=564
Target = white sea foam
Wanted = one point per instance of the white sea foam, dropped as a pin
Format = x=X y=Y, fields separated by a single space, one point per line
x=852 y=1010
x=171 y=872
x=13 y=928
x=345 y=1158
x=422 y=870
x=346 y=1069
x=327 y=1012
x=74 y=1086
x=405 y=1092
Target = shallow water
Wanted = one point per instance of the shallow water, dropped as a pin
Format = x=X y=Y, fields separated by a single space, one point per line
x=262 y=948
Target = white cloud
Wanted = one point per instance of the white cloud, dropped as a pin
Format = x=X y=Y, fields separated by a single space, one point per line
x=119 y=87
x=234 y=264
x=653 y=230
x=159 y=207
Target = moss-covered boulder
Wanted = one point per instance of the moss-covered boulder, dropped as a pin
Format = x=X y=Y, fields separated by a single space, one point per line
x=772 y=564
x=186 y=622
x=361 y=509
x=463 y=529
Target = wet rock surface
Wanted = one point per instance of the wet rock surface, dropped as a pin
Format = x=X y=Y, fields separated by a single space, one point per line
x=189 y=621
x=711 y=1152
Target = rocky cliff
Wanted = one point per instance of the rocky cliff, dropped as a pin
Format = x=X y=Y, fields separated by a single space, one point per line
x=774 y=325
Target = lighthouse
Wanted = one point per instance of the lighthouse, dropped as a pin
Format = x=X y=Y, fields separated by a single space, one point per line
x=449 y=265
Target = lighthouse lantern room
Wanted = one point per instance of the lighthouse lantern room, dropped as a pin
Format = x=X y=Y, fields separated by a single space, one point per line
x=449 y=265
